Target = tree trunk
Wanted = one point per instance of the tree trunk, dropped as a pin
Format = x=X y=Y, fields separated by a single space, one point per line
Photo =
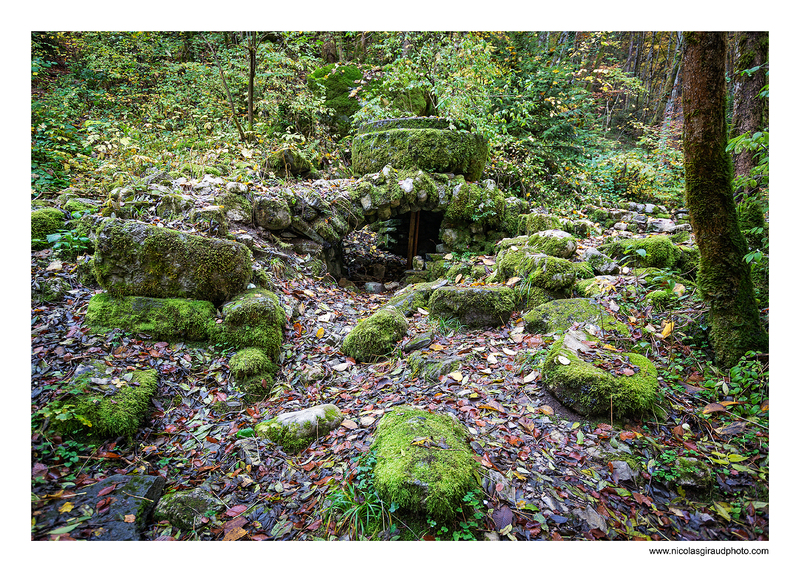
x=749 y=115
x=724 y=276
x=227 y=91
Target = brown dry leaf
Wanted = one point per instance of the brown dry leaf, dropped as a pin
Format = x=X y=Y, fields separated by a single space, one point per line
x=436 y=347
x=765 y=406
x=235 y=533
x=546 y=409
x=367 y=421
x=349 y=424
x=130 y=518
x=456 y=375
x=493 y=406
x=531 y=376
x=714 y=408
x=732 y=428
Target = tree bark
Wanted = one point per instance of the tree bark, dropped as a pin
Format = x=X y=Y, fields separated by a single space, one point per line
x=723 y=276
x=227 y=91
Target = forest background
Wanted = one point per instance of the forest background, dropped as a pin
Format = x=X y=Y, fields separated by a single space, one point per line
x=640 y=128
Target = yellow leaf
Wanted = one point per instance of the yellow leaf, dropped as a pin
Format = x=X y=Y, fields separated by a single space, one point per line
x=457 y=375
x=513 y=280
x=437 y=347
x=546 y=409
x=668 y=329
x=66 y=507
x=320 y=332
x=679 y=289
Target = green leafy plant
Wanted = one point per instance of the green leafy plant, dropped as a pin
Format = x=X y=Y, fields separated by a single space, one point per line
x=449 y=326
x=356 y=508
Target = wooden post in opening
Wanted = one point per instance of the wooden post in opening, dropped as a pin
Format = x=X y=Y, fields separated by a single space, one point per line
x=413 y=238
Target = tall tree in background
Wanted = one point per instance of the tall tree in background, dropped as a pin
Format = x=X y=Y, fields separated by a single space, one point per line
x=724 y=276
x=749 y=116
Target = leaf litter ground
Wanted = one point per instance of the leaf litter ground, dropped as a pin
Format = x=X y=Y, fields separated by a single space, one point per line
x=547 y=472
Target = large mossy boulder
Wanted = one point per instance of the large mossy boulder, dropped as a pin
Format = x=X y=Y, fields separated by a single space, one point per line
x=429 y=144
x=102 y=405
x=536 y=269
x=137 y=259
x=375 y=336
x=474 y=307
x=44 y=222
x=630 y=387
x=169 y=319
x=295 y=430
x=424 y=462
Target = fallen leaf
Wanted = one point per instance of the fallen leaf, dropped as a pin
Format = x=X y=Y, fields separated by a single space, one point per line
x=423 y=311
x=66 y=507
x=341 y=366
x=513 y=280
x=236 y=510
x=436 y=347
x=492 y=405
x=531 y=376
x=350 y=424
x=320 y=333
x=732 y=428
x=235 y=534
x=456 y=375
x=546 y=409
x=668 y=329
x=130 y=518
x=714 y=408
x=564 y=360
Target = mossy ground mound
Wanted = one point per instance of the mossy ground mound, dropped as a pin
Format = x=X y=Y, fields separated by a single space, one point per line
x=376 y=336
x=589 y=390
x=254 y=318
x=169 y=319
x=295 y=430
x=254 y=372
x=43 y=222
x=560 y=315
x=425 y=464
x=659 y=252
x=116 y=408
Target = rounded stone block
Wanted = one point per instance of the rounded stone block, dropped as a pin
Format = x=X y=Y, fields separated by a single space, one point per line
x=431 y=144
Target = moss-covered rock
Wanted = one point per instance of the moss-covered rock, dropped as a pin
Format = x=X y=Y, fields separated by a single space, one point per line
x=254 y=318
x=659 y=252
x=295 y=430
x=660 y=299
x=425 y=365
x=254 y=372
x=474 y=307
x=532 y=223
x=43 y=222
x=554 y=243
x=560 y=315
x=414 y=296
x=337 y=81
x=590 y=390
x=457 y=151
x=100 y=406
x=289 y=161
x=536 y=269
x=272 y=213
x=424 y=462
x=186 y=509
x=169 y=319
x=137 y=259
x=375 y=336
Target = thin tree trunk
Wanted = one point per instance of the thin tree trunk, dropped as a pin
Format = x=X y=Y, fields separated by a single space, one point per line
x=723 y=276
x=227 y=91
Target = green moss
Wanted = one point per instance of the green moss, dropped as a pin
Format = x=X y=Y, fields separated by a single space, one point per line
x=167 y=319
x=474 y=306
x=558 y=246
x=559 y=315
x=297 y=433
x=532 y=223
x=659 y=251
x=432 y=150
x=120 y=414
x=428 y=479
x=590 y=390
x=660 y=299
x=138 y=259
x=43 y=222
x=375 y=336
x=337 y=81
x=254 y=318
x=413 y=296
x=254 y=373
x=476 y=203
x=535 y=269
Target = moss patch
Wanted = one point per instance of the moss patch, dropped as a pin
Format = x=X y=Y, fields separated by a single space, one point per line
x=559 y=315
x=375 y=336
x=590 y=391
x=101 y=416
x=254 y=318
x=167 y=319
x=254 y=372
x=425 y=464
x=659 y=251
x=296 y=430
x=43 y=222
